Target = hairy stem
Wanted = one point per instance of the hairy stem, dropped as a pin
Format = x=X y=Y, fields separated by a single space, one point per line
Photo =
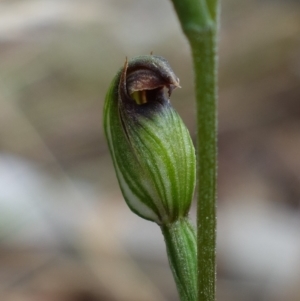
x=199 y=21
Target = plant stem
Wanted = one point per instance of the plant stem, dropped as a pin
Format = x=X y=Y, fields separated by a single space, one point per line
x=180 y=238
x=199 y=21
x=206 y=166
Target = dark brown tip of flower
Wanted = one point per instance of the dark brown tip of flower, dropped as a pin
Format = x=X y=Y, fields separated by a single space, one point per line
x=143 y=74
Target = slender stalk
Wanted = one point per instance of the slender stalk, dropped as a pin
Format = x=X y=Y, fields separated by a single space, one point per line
x=199 y=21
x=206 y=166
x=180 y=238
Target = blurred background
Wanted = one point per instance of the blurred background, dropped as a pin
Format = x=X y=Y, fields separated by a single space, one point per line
x=65 y=232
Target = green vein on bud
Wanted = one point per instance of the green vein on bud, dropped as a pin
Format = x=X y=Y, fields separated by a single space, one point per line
x=151 y=148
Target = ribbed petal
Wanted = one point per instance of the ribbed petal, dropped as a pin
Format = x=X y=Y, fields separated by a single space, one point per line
x=151 y=148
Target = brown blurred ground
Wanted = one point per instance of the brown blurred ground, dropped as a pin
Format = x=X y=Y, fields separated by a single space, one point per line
x=65 y=232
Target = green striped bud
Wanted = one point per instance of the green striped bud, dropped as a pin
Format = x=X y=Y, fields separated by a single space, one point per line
x=151 y=148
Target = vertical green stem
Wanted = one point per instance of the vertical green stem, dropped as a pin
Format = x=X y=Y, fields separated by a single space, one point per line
x=180 y=238
x=199 y=21
x=205 y=64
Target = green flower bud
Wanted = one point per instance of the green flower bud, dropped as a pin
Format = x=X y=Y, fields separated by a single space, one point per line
x=151 y=148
